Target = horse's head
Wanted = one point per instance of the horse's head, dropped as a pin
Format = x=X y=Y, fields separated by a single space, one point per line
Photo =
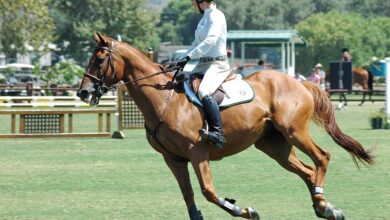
x=104 y=70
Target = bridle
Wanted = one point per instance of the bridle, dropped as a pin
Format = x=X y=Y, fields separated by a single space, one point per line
x=103 y=88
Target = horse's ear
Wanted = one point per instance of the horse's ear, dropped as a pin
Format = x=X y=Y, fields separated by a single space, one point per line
x=98 y=38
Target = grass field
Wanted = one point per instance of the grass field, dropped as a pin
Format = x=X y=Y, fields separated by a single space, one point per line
x=126 y=179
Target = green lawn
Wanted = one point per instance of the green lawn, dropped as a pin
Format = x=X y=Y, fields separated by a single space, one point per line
x=126 y=179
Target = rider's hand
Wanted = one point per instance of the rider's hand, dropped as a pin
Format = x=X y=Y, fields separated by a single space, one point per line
x=180 y=63
x=183 y=61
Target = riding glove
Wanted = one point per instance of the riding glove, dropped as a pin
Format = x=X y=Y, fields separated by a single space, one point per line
x=181 y=62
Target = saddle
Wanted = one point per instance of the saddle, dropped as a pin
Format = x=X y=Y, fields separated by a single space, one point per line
x=233 y=91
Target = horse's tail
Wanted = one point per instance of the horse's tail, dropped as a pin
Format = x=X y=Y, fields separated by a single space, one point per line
x=324 y=116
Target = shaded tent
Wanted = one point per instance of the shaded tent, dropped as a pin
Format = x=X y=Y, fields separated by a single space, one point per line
x=286 y=40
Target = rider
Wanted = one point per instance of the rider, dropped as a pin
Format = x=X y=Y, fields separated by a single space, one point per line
x=346 y=55
x=210 y=47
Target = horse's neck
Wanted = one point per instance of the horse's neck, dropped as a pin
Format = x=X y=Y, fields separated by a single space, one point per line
x=151 y=94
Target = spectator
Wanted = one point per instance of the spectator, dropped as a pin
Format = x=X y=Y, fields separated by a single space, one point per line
x=260 y=65
x=322 y=74
x=29 y=88
x=314 y=77
x=298 y=76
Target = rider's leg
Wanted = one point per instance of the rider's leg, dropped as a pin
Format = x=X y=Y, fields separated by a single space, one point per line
x=215 y=133
x=215 y=74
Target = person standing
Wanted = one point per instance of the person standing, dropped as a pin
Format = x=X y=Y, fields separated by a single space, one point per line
x=298 y=76
x=322 y=74
x=210 y=47
x=314 y=77
x=260 y=65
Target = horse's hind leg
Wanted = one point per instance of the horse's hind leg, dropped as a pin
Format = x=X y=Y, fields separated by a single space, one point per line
x=275 y=145
x=279 y=148
x=301 y=139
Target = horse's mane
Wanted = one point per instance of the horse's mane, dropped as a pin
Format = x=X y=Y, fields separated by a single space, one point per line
x=140 y=54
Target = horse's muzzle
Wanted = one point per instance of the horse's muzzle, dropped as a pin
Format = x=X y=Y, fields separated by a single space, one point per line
x=83 y=94
x=88 y=97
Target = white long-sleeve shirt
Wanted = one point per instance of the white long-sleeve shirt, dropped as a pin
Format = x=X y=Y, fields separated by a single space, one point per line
x=210 y=35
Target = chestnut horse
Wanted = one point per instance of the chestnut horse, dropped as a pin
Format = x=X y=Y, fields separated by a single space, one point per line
x=275 y=122
x=365 y=79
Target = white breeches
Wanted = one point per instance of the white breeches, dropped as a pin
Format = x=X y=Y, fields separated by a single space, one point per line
x=214 y=74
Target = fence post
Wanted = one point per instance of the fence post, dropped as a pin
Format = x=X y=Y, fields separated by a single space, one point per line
x=70 y=123
x=119 y=133
x=13 y=123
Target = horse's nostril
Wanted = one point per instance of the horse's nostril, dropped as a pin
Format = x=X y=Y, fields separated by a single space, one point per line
x=83 y=94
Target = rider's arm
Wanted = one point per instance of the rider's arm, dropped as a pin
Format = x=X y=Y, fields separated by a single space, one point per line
x=214 y=28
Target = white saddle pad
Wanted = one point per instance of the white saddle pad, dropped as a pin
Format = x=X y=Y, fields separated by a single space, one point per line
x=237 y=91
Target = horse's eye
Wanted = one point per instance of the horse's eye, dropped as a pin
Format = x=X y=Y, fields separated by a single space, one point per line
x=99 y=59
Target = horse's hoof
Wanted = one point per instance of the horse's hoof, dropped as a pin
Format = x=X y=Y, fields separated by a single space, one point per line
x=194 y=213
x=330 y=212
x=253 y=214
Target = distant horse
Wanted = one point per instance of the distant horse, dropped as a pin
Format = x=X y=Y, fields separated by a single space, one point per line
x=364 y=78
x=275 y=122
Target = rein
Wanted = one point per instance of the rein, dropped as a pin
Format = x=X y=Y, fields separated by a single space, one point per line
x=114 y=86
x=168 y=70
x=102 y=88
x=111 y=50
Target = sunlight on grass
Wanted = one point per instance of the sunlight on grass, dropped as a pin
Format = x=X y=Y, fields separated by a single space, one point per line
x=126 y=179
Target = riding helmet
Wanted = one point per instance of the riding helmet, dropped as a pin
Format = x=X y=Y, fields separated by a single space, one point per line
x=200 y=1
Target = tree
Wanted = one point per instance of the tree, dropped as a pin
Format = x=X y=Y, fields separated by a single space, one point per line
x=178 y=22
x=64 y=72
x=75 y=22
x=331 y=5
x=370 y=8
x=24 y=22
x=383 y=23
x=265 y=15
x=327 y=33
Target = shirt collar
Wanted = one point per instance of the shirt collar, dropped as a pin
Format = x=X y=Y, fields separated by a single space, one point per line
x=212 y=7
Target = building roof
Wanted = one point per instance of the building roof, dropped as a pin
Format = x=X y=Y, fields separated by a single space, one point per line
x=265 y=36
x=20 y=65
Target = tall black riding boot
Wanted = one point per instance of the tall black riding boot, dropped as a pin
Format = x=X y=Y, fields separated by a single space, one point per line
x=213 y=116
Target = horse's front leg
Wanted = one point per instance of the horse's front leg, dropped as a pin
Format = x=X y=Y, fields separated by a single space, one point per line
x=363 y=99
x=180 y=171
x=200 y=161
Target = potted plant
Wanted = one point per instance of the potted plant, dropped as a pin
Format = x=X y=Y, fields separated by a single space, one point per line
x=378 y=119
x=386 y=124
